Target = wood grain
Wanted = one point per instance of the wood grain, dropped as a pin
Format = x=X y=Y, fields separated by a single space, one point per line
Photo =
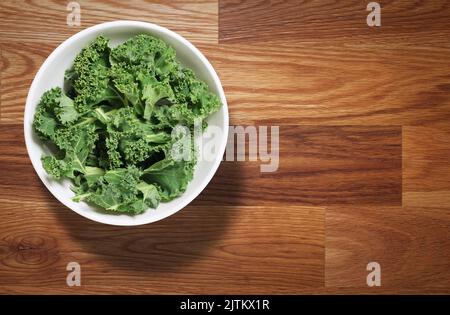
x=322 y=64
x=335 y=84
x=319 y=166
x=312 y=21
x=364 y=153
x=426 y=156
x=410 y=244
x=197 y=20
x=20 y=64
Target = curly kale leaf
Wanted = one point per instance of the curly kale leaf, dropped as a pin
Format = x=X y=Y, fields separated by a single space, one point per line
x=153 y=91
x=54 y=109
x=149 y=53
x=90 y=76
x=170 y=176
x=124 y=78
x=76 y=142
x=191 y=101
x=45 y=121
x=195 y=93
x=120 y=190
x=140 y=89
x=131 y=140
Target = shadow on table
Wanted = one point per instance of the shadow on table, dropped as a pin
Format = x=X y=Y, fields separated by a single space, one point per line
x=168 y=244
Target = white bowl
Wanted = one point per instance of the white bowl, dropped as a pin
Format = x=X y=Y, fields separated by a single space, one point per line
x=51 y=74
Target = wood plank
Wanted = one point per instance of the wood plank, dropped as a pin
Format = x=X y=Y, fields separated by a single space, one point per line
x=335 y=84
x=201 y=249
x=20 y=20
x=426 y=156
x=410 y=244
x=312 y=21
x=318 y=166
x=316 y=84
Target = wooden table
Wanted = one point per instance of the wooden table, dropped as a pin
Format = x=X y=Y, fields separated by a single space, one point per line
x=364 y=174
